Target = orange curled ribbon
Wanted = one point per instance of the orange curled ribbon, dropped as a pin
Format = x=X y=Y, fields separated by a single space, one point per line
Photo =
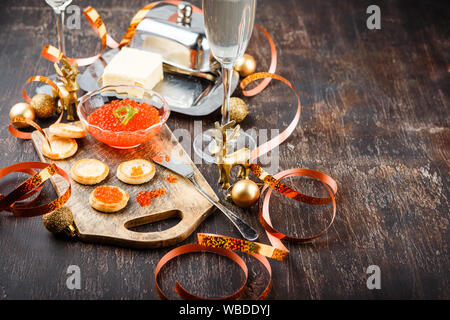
x=29 y=187
x=27 y=135
x=274 y=183
x=92 y=16
x=219 y=241
x=276 y=141
x=272 y=68
x=39 y=79
x=190 y=248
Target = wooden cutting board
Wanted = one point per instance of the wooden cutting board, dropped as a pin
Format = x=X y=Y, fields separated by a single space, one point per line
x=181 y=199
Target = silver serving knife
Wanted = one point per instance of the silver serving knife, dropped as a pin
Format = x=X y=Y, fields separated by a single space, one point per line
x=186 y=171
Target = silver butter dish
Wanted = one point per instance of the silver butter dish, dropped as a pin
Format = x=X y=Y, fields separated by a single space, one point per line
x=186 y=94
x=178 y=35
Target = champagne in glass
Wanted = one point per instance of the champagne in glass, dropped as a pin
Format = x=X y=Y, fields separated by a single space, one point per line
x=59 y=7
x=229 y=26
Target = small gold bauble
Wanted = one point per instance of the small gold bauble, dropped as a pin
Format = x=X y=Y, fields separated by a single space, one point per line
x=44 y=105
x=60 y=221
x=245 y=193
x=245 y=65
x=24 y=110
x=238 y=109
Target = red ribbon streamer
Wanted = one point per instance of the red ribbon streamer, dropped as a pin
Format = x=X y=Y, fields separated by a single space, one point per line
x=274 y=183
x=272 y=67
x=190 y=248
x=27 y=135
x=224 y=242
x=30 y=186
x=273 y=143
x=54 y=55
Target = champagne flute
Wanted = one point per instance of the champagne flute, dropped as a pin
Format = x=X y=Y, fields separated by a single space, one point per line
x=229 y=26
x=59 y=7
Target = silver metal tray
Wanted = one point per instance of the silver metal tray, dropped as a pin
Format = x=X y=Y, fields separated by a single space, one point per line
x=186 y=94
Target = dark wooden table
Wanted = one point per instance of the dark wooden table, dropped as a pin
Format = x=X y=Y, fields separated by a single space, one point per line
x=376 y=118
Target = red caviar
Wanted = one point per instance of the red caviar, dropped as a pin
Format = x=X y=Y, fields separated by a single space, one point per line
x=105 y=118
x=121 y=119
x=160 y=158
x=108 y=194
x=136 y=171
x=144 y=198
x=172 y=179
x=158 y=192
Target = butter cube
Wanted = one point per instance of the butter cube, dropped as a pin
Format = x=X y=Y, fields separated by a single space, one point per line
x=134 y=67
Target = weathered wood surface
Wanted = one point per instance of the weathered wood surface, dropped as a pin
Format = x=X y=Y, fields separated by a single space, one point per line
x=376 y=118
x=181 y=201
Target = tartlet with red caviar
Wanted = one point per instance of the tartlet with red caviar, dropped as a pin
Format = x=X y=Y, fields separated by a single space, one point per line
x=108 y=198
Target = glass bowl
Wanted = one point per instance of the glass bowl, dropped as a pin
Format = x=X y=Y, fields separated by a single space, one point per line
x=121 y=139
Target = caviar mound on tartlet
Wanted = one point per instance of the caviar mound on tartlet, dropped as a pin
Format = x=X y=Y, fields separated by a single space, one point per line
x=136 y=171
x=108 y=198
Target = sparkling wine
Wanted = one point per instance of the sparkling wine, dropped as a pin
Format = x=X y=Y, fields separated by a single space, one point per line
x=229 y=26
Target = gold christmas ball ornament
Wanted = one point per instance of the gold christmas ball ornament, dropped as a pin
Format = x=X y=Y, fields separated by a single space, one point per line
x=44 y=105
x=246 y=65
x=238 y=109
x=60 y=221
x=24 y=110
x=245 y=193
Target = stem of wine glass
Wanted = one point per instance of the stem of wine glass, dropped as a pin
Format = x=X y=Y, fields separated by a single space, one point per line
x=60 y=28
x=227 y=74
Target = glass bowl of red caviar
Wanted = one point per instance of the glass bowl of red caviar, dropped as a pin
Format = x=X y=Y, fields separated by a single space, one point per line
x=111 y=115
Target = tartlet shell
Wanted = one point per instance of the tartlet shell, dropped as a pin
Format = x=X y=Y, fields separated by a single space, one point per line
x=57 y=152
x=79 y=176
x=140 y=179
x=67 y=130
